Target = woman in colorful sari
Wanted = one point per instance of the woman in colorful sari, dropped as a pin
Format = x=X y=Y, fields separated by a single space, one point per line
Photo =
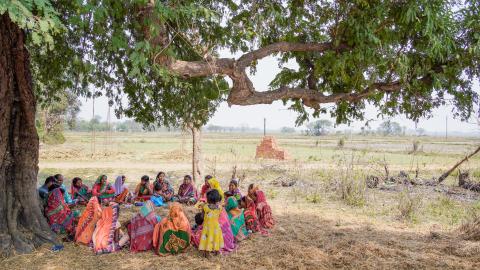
x=122 y=194
x=87 y=222
x=79 y=191
x=143 y=191
x=108 y=237
x=59 y=216
x=187 y=193
x=214 y=184
x=233 y=190
x=237 y=219
x=103 y=190
x=166 y=191
x=264 y=212
x=140 y=228
x=250 y=214
x=205 y=188
x=172 y=234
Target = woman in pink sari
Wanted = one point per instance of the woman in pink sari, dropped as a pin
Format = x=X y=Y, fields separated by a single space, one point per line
x=264 y=212
x=228 y=238
x=187 y=193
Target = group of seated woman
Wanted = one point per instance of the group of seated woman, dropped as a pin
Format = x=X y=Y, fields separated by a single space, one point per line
x=223 y=220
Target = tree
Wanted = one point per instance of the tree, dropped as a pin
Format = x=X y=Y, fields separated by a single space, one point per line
x=319 y=127
x=22 y=225
x=404 y=57
x=287 y=130
x=389 y=128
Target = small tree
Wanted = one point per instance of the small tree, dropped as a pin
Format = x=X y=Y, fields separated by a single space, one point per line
x=390 y=128
x=287 y=130
x=319 y=127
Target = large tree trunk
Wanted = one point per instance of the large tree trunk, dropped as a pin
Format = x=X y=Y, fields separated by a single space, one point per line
x=22 y=225
x=197 y=164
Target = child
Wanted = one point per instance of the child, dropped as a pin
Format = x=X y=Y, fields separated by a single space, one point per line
x=211 y=239
x=197 y=229
x=233 y=190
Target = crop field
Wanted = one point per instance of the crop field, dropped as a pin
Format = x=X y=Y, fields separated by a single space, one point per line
x=326 y=214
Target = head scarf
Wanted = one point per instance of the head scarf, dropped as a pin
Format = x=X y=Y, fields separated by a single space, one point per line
x=99 y=182
x=119 y=187
x=214 y=184
x=172 y=235
x=232 y=203
x=260 y=197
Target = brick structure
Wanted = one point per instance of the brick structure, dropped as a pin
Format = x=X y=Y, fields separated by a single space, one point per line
x=268 y=148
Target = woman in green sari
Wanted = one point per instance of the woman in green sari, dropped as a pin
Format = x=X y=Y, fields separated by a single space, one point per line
x=237 y=219
x=103 y=190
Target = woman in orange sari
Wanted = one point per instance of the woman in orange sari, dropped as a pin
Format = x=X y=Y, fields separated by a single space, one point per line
x=107 y=234
x=172 y=234
x=87 y=222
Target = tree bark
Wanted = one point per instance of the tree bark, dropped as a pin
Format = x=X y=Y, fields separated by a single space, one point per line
x=22 y=224
x=197 y=161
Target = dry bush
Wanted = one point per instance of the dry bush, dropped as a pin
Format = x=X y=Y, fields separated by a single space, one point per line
x=353 y=192
x=470 y=230
x=408 y=206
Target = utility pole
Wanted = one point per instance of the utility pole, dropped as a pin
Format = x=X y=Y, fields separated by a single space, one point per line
x=446 y=127
x=264 y=127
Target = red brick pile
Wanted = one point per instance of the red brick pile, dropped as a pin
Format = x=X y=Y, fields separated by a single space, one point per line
x=268 y=148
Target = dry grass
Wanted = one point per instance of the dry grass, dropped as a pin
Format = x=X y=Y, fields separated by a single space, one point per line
x=327 y=219
x=470 y=230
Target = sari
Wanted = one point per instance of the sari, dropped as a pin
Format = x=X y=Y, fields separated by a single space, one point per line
x=236 y=194
x=187 y=194
x=203 y=193
x=172 y=234
x=66 y=196
x=59 y=216
x=196 y=235
x=237 y=219
x=264 y=211
x=105 y=192
x=82 y=194
x=87 y=222
x=121 y=191
x=166 y=191
x=141 y=227
x=228 y=238
x=142 y=192
x=250 y=213
x=104 y=237
x=214 y=184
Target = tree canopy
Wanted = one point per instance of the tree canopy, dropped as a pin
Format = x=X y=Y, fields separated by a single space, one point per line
x=404 y=57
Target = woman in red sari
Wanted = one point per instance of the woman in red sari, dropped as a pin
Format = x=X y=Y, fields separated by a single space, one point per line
x=264 y=212
x=140 y=228
x=103 y=190
x=60 y=217
x=251 y=220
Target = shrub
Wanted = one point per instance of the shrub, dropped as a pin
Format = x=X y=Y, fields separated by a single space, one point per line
x=353 y=192
x=408 y=206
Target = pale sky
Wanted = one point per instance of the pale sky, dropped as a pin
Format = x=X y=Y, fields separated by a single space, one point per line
x=279 y=116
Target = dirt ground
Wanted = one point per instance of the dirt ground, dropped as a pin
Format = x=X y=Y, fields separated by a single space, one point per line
x=318 y=224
